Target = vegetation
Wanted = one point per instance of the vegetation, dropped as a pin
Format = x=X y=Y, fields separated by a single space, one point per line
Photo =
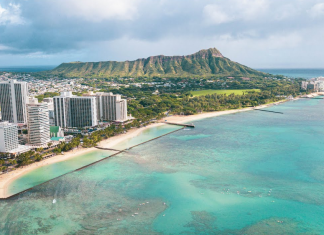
x=46 y=95
x=178 y=99
x=205 y=63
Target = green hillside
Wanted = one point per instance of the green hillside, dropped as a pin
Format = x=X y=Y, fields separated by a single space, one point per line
x=205 y=63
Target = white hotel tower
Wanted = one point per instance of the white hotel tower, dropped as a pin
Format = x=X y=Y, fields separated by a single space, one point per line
x=75 y=111
x=110 y=107
x=13 y=100
x=8 y=137
x=38 y=124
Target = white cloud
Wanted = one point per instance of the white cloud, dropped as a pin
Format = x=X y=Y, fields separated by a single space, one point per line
x=99 y=10
x=317 y=10
x=4 y=48
x=215 y=15
x=250 y=9
x=233 y=10
x=11 y=14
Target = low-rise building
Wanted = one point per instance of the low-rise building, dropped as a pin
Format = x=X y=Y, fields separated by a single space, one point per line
x=9 y=139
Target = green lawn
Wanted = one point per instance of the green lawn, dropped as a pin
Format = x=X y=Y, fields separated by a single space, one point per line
x=228 y=92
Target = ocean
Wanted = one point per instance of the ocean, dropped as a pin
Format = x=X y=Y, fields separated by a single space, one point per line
x=245 y=173
x=27 y=69
x=296 y=73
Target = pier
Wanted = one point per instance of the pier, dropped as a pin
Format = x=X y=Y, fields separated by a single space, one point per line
x=268 y=111
x=180 y=124
x=108 y=149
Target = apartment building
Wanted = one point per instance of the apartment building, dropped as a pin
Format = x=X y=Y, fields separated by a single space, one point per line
x=110 y=107
x=38 y=124
x=75 y=111
x=8 y=137
x=13 y=100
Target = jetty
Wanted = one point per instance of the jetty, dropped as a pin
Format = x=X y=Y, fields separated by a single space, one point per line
x=93 y=163
x=102 y=148
x=268 y=111
x=180 y=124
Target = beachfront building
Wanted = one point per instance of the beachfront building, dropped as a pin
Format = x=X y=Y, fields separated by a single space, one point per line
x=8 y=137
x=83 y=112
x=13 y=100
x=38 y=124
x=50 y=103
x=75 y=111
x=110 y=107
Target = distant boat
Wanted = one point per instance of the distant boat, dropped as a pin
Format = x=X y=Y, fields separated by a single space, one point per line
x=54 y=201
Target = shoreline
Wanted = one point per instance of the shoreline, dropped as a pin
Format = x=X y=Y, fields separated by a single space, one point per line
x=7 y=179
x=184 y=119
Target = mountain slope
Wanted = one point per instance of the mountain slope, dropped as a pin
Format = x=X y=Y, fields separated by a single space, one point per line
x=205 y=63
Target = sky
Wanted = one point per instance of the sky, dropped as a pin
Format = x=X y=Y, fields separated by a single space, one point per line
x=256 y=33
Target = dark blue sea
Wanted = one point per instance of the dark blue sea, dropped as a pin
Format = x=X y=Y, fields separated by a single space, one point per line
x=296 y=73
x=27 y=69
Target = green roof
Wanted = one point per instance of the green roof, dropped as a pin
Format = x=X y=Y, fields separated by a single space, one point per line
x=54 y=129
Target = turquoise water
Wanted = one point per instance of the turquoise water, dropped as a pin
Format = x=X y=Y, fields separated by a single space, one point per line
x=245 y=173
x=52 y=171
x=296 y=73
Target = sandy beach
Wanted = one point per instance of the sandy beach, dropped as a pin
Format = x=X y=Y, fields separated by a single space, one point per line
x=6 y=179
x=188 y=119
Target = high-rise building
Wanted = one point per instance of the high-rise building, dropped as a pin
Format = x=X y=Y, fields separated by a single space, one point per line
x=121 y=110
x=8 y=137
x=83 y=112
x=13 y=100
x=50 y=103
x=61 y=109
x=111 y=107
x=38 y=124
x=75 y=111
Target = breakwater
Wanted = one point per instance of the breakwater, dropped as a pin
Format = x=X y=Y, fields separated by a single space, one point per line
x=269 y=111
x=91 y=164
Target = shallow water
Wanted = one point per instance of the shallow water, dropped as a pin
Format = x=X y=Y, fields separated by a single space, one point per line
x=245 y=173
x=49 y=172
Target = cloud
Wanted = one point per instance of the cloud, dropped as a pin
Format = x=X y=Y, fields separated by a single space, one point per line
x=98 y=10
x=11 y=14
x=94 y=30
x=251 y=9
x=234 y=10
x=317 y=10
x=214 y=14
x=4 y=48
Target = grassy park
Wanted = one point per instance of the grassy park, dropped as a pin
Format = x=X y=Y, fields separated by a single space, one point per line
x=228 y=92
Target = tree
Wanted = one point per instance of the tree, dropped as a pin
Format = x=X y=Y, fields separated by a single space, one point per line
x=38 y=157
x=39 y=150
